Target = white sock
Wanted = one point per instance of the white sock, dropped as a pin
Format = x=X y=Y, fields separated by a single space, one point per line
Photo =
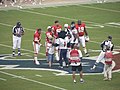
x=35 y=58
x=85 y=50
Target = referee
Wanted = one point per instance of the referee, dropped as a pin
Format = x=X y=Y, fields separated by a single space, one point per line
x=17 y=36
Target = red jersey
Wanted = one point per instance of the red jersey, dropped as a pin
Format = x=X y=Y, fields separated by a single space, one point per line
x=80 y=29
x=108 y=57
x=37 y=36
x=74 y=56
x=47 y=35
x=56 y=30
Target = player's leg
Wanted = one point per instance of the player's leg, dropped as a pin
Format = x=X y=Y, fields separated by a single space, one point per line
x=81 y=73
x=36 y=50
x=14 y=44
x=73 y=73
x=60 y=58
x=47 y=48
x=19 y=46
x=110 y=72
x=100 y=57
x=50 y=59
x=65 y=56
x=82 y=40
x=56 y=50
x=105 y=72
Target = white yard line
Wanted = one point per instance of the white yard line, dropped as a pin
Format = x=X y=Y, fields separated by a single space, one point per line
x=3 y=79
x=38 y=75
x=31 y=80
x=100 y=43
x=103 y=9
x=21 y=49
x=49 y=15
x=4 y=24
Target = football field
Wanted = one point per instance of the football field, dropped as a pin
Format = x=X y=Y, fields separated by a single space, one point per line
x=101 y=20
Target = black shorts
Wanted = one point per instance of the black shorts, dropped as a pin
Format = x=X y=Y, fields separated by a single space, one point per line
x=79 y=68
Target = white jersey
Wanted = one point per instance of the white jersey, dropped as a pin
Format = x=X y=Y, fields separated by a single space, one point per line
x=107 y=43
x=62 y=43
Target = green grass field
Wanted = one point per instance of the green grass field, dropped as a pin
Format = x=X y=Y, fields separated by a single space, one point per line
x=101 y=20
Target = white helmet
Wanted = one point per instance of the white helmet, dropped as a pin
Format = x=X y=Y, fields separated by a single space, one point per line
x=65 y=25
x=49 y=27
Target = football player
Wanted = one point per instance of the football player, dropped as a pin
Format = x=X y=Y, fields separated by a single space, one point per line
x=83 y=35
x=62 y=44
x=56 y=29
x=104 y=44
x=17 y=32
x=49 y=36
x=75 y=38
x=37 y=44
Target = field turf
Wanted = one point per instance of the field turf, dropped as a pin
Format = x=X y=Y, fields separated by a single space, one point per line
x=101 y=20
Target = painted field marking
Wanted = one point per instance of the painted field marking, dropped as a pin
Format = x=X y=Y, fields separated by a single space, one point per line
x=38 y=75
x=3 y=79
x=8 y=66
x=4 y=24
x=31 y=80
x=21 y=49
x=103 y=9
x=114 y=23
x=49 y=15
x=100 y=43
x=92 y=26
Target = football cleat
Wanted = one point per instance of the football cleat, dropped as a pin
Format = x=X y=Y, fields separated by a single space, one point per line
x=81 y=81
x=86 y=55
x=74 y=81
x=109 y=79
x=19 y=54
x=36 y=62
x=105 y=79
x=61 y=67
x=13 y=54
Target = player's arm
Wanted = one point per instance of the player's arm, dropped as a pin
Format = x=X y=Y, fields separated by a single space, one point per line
x=14 y=31
x=37 y=40
x=80 y=54
x=86 y=33
x=22 y=31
